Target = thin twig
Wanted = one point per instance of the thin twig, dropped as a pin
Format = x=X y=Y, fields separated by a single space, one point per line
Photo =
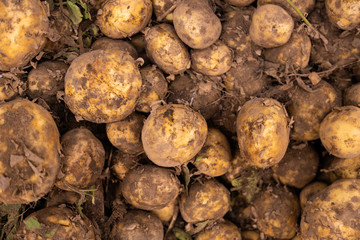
x=160 y=18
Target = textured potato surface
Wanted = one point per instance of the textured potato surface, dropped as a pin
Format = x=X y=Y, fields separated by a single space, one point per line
x=352 y=95
x=219 y=231
x=309 y=191
x=114 y=44
x=240 y=3
x=344 y=14
x=305 y=6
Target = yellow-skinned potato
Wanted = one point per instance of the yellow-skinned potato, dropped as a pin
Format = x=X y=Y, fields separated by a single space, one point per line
x=196 y=24
x=123 y=18
x=173 y=134
x=271 y=26
x=263 y=131
x=125 y=135
x=305 y=6
x=344 y=14
x=333 y=213
x=114 y=44
x=204 y=201
x=102 y=86
x=219 y=231
x=122 y=163
x=340 y=132
x=23 y=25
x=214 y=60
x=352 y=95
x=161 y=6
x=165 y=49
x=29 y=152
x=250 y=235
x=309 y=191
x=345 y=168
x=214 y=158
x=166 y=213
x=240 y=3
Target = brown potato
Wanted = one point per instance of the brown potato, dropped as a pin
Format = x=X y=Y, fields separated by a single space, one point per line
x=344 y=14
x=112 y=44
x=352 y=95
x=173 y=134
x=305 y=6
x=219 y=231
x=271 y=26
x=7 y=92
x=196 y=24
x=29 y=152
x=160 y=8
x=102 y=86
x=23 y=26
x=340 y=132
x=345 y=168
x=123 y=18
x=309 y=191
x=122 y=163
x=240 y=3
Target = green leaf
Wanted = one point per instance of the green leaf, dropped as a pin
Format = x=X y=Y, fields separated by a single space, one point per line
x=198 y=159
x=32 y=223
x=180 y=234
x=87 y=14
x=186 y=172
x=52 y=233
x=75 y=12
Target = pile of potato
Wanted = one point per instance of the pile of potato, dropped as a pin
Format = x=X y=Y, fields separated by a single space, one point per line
x=180 y=119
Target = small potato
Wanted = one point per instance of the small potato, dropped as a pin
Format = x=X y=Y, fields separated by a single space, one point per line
x=196 y=24
x=112 y=44
x=345 y=168
x=23 y=26
x=125 y=135
x=352 y=95
x=344 y=14
x=250 y=235
x=240 y=3
x=238 y=164
x=305 y=6
x=340 y=132
x=7 y=92
x=263 y=131
x=160 y=8
x=122 y=163
x=123 y=18
x=173 y=134
x=166 y=50
x=102 y=86
x=166 y=213
x=271 y=26
x=209 y=200
x=309 y=191
x=214 y=60
x=219 y=231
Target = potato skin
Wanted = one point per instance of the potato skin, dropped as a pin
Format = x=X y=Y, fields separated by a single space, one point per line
x=305 y=6
x=23 y=25
x=345 y=168
x=352 y=95
x=261 y=123
x=173 y=134
x=161 y=6
x=111 y=44
x=309 y=191
x=102 y=86
x=28 y=135
x=344 y=14
x=240 y=3
x=219 y=231
x=340 y=132
x=122 y=163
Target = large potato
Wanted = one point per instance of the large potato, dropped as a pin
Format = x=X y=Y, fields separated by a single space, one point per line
x=305 y=6
x=219 y=231
x=23 y=28
x=173 y=134
x=344 y=14
x=263 y=131
x=29 y=152
x=102 y=86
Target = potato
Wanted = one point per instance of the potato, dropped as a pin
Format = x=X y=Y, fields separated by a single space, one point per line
x=122 y=163
x=112 y=44
x=340 y=132
x=102 y=86
x=173 y=134
x=166 y=50
x=209 y=200
x=123 y=18
x=196 y=24
x=238 y=164
x=138 y=224
x=150 y=187
x=7 y=92
x=23 y=28
x=160 y=8
x=276 y=212
x=261 y=123
x=240 y=3
x=214 y=158
x=29 y=152
x=250 y=235
x=345 y=168
x=305 y=6
x=309 y=191
x=271 y=26
x=308 y=109
x=344 y=14
x=352 y=95
x=219 y=231
x=333 y=212
x=166 y=213
x=125 y=135
x=214 y=60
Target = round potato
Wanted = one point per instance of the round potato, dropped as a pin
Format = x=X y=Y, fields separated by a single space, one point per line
x=102 y=86
x=345 y=168
x=240 y=3
x=196 y=24
x=219 y=231
x=23 y=28
x=112 y=44
x=309 y=191
x=340 y=132
x=305 y=6
x=173 y=134
x=29 y=152
x=271 y=26
x=123 y=18
x=166 y=50
x=344 y=14
x=261 y=123
x=352 y=95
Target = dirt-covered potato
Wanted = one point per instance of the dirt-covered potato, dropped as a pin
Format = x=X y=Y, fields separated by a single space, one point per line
x=345 y=168
x=352 y=95
x=214 y=60
x=219 y=231
x=340 y=132
x=138 y=224
x=308 y=109
x=83 y=160
x=214 y=158
x=29 y=152
x=23 y=28
x=125 y=135
x=114 y=44
x=161 y=7
x=205 y=201
x=102 y=86
x=261 y=123
x=240 y=3
x=196 y=24
x=333 y=212
x=165 y=49
x=298 y=167
x=305 y=6
x=271 y=26
x=173 y=134
x=166 y=213
x=150 y=187
x=276 y=212
x=309 y=191
x=122 y=163
x=7 y=91
x=123 y=18
x=344 y=14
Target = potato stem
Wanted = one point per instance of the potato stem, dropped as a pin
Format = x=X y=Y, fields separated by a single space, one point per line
x=299 y=12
